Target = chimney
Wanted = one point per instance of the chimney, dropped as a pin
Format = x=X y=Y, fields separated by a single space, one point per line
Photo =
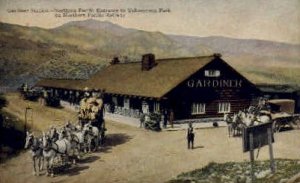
x=217 y=55
x=114 y=61
x=148 y=61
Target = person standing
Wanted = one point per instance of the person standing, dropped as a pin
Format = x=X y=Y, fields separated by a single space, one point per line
x=190 y=137
x=142 y=120
x=171 y=118
x=165 y=114
x=147 y=120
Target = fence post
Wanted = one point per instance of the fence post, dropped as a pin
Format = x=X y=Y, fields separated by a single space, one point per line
x=251 y=156
x=272 y=162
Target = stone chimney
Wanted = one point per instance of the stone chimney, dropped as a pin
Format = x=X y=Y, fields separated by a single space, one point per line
x=114 y=61
x=148 y=61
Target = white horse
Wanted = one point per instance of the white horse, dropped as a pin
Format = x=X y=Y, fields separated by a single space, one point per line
x=91 y=134
x=61 y=149
x=76 y=138
x=253 y=120
x=35 y=146
x=264 y=118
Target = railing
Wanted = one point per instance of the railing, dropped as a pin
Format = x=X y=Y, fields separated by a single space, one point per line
x=199 y=120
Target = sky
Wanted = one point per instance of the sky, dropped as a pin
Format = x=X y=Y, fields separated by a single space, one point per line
x=275 y=20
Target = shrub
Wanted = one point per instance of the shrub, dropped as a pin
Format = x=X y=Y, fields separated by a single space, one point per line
x=3 y=101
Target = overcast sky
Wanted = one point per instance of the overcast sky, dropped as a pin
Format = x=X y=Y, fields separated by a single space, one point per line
x=277 y=20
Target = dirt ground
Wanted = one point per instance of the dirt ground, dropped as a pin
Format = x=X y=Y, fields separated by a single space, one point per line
x=136 y=155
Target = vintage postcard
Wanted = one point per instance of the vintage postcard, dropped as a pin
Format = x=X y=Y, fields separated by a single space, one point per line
x=132 y=91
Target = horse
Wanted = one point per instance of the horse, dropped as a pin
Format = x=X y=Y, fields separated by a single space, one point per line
x=59 y=149
x=76 y=138
x=36 y=152
x=91 y=134
x=237 y=124
x=252 y=120
x=264 y=118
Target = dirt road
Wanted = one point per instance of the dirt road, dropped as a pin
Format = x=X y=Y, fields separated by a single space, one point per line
x=136 y=155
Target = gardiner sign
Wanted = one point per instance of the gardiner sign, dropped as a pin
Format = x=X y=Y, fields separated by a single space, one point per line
x=214 y=83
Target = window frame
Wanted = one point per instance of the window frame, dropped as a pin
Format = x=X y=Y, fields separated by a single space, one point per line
x=156 y=107
x=224 y=105
x=196 y=106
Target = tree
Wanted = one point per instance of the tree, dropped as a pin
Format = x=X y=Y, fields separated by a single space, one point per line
x=3 y=101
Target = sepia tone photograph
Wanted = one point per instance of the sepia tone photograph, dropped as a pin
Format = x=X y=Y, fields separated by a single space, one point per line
x=161 y=91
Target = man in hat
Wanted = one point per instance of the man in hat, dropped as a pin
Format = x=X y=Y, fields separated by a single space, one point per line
x=93 y=113
x=54 y=136
x=165 y=116
x=93 y=97
x=190 y=136
x=171 y=117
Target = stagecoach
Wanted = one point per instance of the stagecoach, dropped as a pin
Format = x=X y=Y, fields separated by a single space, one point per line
x=282 y=112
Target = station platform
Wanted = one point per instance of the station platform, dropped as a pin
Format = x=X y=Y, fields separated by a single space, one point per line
x=178 y=125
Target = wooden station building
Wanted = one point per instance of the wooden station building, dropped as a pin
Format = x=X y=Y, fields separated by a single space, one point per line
x=194 y=87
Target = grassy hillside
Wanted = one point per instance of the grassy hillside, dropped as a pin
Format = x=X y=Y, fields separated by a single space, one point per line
x=79 y=49
x=266 y=69
x=29 y=53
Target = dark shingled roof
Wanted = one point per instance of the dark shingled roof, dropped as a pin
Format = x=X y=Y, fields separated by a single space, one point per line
x=60 y=83
x=129 y=79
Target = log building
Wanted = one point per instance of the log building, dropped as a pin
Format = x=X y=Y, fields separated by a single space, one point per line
x=194 y=87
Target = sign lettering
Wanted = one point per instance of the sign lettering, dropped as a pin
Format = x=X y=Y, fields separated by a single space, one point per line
x=223 y=83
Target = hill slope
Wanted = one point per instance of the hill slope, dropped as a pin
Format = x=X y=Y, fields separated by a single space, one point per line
x=80 y=48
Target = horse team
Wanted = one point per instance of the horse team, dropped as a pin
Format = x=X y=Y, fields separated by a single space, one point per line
x=245 y=118
x=61 y=147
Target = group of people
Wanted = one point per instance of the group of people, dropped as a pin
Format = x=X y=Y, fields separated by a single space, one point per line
x=167 y=117
x=24 y=88
x=91 y=109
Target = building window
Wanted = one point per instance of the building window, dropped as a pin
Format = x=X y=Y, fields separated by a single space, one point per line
x=198 y=108
x=115 y=100
x=126 y=103
x=156 y=107
x=212 y=73
x=224 y=107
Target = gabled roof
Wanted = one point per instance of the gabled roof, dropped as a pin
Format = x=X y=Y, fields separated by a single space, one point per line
x=129 y=79
x=60 y=83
